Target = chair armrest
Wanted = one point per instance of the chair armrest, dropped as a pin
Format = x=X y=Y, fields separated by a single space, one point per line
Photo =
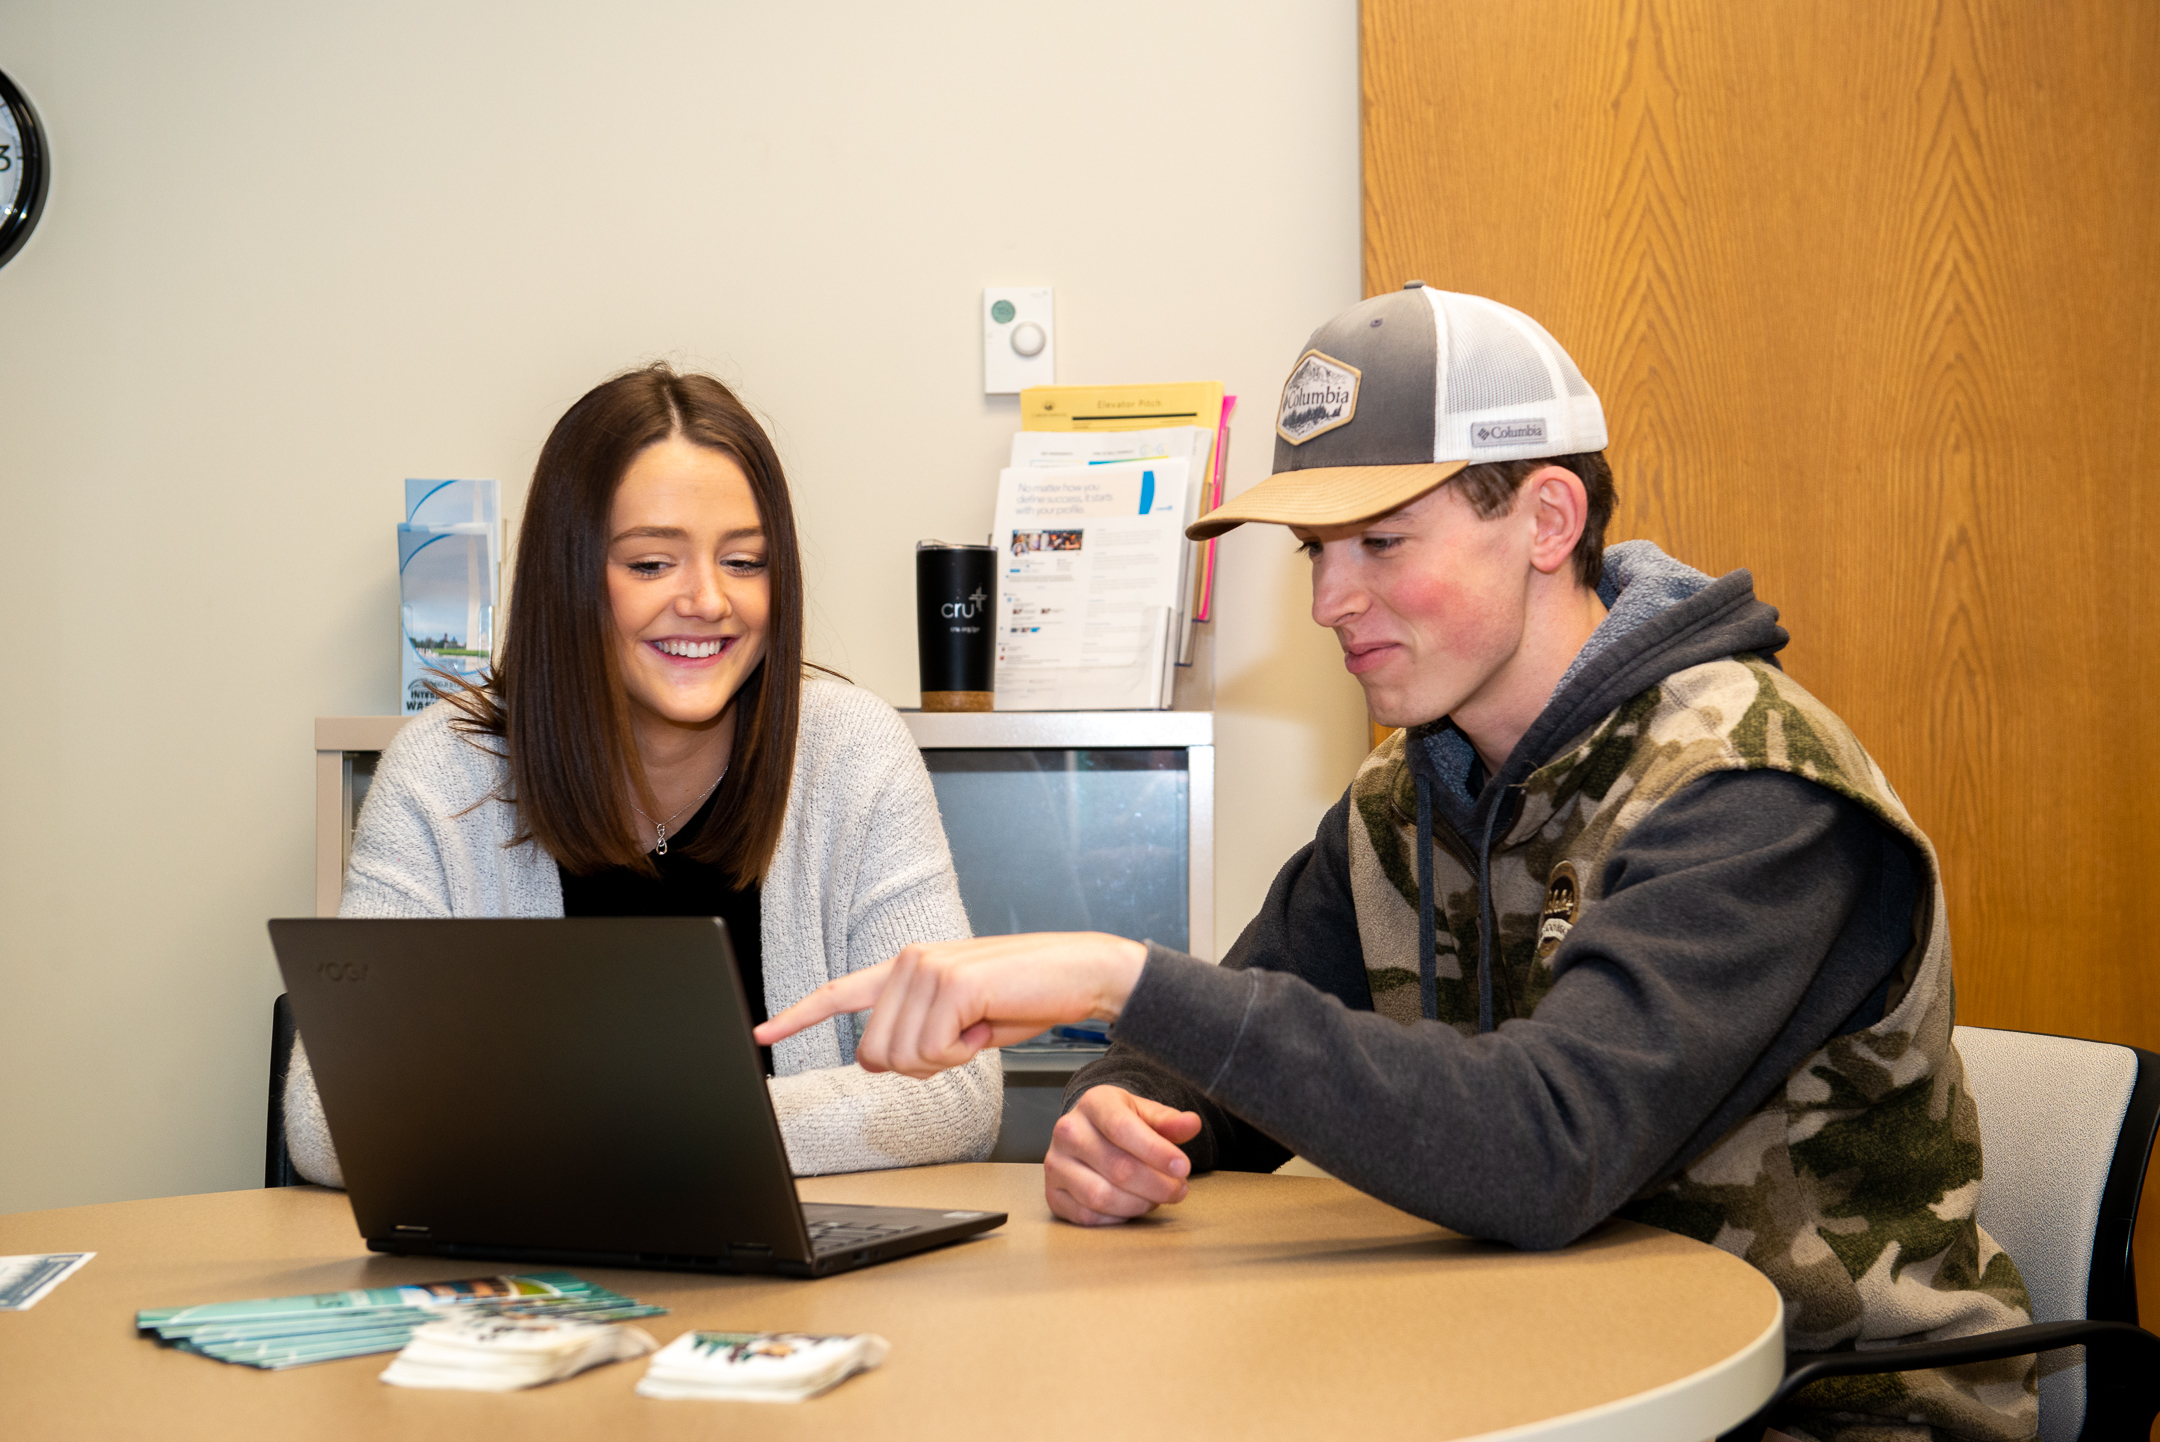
x=2122 y=1390
x=1802 y=1368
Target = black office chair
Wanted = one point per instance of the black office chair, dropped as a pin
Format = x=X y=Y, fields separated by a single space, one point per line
x=277 y=1162
x=2066 y=1131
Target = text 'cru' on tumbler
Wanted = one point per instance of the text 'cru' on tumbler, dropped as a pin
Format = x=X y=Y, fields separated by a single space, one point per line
x=955 y=600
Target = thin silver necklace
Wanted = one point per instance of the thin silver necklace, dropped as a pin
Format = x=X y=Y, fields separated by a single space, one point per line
x=660 y=827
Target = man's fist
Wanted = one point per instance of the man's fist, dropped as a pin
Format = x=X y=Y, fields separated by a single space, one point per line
x=1115 y=1156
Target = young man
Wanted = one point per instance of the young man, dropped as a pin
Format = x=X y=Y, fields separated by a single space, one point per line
x=1623 y=922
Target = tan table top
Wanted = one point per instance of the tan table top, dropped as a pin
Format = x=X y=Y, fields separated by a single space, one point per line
x=1261 y=1307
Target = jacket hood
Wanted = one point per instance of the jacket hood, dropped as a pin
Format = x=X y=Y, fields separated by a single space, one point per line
x=1661 y=616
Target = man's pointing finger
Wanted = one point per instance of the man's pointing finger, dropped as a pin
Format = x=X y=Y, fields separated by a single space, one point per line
x=857 y=991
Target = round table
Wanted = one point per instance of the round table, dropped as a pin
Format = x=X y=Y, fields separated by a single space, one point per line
x=1262 y=1306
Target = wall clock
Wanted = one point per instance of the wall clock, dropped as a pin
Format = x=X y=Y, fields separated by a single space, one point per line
x=25 y=169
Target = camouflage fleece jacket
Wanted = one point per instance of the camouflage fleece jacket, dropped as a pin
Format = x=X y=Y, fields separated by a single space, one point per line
x=1684 y=959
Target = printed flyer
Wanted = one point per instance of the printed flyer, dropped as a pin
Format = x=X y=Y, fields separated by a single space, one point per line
x=449 y=575
x=1091 y=559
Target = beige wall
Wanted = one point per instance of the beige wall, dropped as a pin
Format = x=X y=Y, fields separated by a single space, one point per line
x=294 y=254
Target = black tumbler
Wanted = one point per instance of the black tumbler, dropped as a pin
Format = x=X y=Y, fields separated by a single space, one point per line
x=955 y=605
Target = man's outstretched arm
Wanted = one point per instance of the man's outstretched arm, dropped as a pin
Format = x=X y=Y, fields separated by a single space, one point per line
x=1742 y=926
x=1740 y=929
x=1133 y=1130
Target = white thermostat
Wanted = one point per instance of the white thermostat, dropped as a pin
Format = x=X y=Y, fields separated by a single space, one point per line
x=1019 y=340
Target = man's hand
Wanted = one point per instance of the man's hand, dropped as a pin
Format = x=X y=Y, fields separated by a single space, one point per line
x=1114 y=1157
x=940 y=1004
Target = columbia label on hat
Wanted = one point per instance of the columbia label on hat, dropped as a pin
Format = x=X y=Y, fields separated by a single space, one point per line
x=1320 y=395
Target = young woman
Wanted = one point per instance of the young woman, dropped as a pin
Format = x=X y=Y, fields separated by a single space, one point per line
x=649 y=745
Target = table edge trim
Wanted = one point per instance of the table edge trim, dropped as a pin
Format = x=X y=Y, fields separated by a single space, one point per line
x=1725 y=1393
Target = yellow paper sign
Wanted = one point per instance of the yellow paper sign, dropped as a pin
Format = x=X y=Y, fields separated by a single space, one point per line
x=1121 y=408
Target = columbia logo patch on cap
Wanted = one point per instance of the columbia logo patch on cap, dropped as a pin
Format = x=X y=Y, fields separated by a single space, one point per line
x=1320 y=395
x=1508 y=433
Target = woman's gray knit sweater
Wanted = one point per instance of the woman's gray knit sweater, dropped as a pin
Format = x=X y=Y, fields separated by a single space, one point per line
x=862 y=869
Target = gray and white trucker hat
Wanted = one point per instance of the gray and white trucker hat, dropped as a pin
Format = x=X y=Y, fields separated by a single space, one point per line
x=1398 y=393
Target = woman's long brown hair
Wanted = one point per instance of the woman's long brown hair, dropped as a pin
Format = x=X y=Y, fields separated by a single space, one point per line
x=556 y=696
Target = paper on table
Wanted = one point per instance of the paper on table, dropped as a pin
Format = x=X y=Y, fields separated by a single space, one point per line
x=26 y=1281
x=279 y=1332
x=505 y=1354
x=176 y=1320
x=1089 y=562
x=758 y=1366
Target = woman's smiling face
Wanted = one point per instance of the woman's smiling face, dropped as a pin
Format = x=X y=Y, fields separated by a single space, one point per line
x=687 y=582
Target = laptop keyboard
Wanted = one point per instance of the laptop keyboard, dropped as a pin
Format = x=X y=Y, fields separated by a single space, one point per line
x=833 y=1236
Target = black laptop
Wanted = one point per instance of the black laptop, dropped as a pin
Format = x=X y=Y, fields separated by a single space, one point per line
x=581 y=1089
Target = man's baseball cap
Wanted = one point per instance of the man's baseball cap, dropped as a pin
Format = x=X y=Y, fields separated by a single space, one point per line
x=1397 y=394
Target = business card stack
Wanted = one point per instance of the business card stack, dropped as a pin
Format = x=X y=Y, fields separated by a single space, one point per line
x=758 y=1366
x=503 y=1354
x=279 y=1332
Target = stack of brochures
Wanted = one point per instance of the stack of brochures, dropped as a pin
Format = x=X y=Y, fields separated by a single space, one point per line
x=1098 y=589
x=504 y=1354
x=758 y=1366
x=279 y=1332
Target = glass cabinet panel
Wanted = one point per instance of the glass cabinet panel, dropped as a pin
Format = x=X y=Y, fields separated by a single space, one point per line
x=1091 y=839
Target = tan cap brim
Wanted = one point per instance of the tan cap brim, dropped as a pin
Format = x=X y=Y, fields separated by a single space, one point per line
x=1326 y=496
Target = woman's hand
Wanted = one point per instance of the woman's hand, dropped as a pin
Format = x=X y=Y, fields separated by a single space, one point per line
x=939 y=1004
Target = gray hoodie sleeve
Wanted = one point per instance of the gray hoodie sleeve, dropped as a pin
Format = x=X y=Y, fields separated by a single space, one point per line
x=1753 y=917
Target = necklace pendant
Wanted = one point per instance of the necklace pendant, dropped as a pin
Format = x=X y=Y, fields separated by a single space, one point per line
x=660 y=832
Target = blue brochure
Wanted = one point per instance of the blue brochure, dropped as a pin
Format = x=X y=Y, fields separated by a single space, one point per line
x=449 y=577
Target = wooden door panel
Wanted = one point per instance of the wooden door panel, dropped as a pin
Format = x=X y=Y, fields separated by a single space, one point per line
x=1871 y=293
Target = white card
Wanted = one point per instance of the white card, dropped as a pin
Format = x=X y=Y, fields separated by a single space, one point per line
x=24 y=1281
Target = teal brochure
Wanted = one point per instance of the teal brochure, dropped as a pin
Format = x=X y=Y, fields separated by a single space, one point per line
x=279 y=1332
x=421 y=1294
